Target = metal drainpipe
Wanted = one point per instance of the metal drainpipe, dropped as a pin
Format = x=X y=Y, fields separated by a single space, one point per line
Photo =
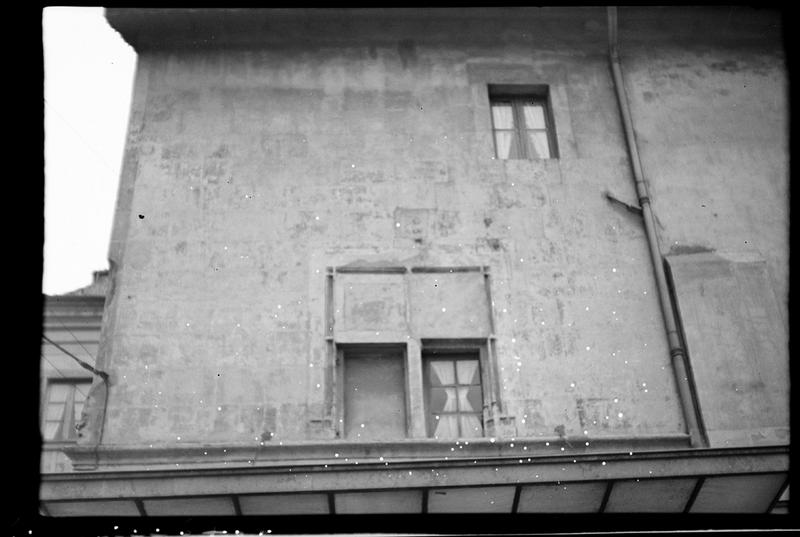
x=676 y=351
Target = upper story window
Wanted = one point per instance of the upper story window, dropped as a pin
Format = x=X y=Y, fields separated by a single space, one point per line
x=65 y=399
x=522 y=123
x=454 y=395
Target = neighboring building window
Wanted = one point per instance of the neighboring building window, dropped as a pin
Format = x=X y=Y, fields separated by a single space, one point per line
x=374 y=381
x=522 y=125
x=65 y=399
x=454 y=396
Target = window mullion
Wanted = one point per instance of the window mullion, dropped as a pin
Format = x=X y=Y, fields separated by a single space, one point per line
x=461 y=433
x=458 y=401
x=548 y=128
x=67 y=417
x=519 y=127
x=551 y=131
x=494 y=130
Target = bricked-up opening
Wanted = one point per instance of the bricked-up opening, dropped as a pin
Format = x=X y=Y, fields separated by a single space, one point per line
x=736 y=338
x=453 y=393
x=374 y=391
x=522 y=122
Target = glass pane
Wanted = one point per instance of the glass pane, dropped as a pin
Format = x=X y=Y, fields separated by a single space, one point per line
x=538 y=146
x=78 y=410
x=506 y=143
x=54 y=412
x=82 y=390
x=469 y=399
x=50 y=429
x=467 y=371
x=69 y=432
x=534 y=116
x=443 y=400
x=446 y=426
x=475 y=398
x=470 y=425
x=450 y=404
x=442 y=373
x=58 y=392
x=502 y=116
x=438 y=399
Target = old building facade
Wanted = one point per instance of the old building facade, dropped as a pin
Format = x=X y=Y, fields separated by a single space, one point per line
x=410 y=243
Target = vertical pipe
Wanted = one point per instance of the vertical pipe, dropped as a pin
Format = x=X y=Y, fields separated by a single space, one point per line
x=331 y=408
x=676 y=350
x=329 y=316
x=491 y=352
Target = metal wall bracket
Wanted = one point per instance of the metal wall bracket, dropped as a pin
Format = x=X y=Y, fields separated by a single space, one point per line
x=631 y=208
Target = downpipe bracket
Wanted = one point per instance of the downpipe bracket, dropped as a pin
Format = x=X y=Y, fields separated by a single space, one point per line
x=630 y=208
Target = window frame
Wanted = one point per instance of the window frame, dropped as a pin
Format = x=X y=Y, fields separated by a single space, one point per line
x=441 y=352
x=517 y=97
x=63 y=425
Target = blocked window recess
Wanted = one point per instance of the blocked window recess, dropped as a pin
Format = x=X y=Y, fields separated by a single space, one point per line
x=736 y=340
x=373 y=391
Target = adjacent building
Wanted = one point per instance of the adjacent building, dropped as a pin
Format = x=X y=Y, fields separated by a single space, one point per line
x=71 y=331
x=438 y=260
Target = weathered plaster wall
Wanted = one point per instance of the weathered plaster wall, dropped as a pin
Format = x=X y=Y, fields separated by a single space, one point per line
x=254 y=170
x=733 y=328
x=713 y=131
x=713 y=128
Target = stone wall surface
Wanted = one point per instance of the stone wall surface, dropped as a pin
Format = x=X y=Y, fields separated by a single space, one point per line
x=248 y=172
